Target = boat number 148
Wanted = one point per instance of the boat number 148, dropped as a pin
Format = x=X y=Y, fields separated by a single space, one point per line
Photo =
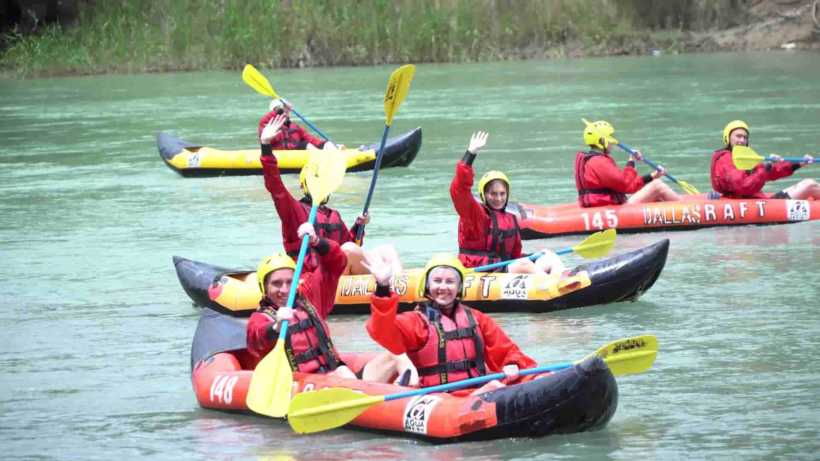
x=600 y=220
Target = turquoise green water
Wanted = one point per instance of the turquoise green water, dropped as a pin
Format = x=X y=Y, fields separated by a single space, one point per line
x=97 y=331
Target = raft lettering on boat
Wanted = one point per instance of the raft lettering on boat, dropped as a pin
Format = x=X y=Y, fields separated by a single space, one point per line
x=417 y=413
x=709 y=213
x=363 y=286
x=516 y=287
x=798 y=210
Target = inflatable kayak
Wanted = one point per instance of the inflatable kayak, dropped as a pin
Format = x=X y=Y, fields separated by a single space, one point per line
x=538 y=221
x=194 y=160
x=581 y=398
x=617 y=278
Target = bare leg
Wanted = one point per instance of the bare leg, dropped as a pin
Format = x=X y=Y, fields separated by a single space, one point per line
x=523 y=266
x=550 y=263
x=385 y=367
x=354 y=253
x=654 y=191
x=805 y=189
x=344 y=372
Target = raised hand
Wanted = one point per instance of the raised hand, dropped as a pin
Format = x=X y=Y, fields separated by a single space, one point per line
x=477 y=141
x=381 y=270
x=273 y=127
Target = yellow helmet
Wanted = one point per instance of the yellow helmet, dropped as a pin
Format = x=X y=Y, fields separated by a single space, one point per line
x=599 y=134
x=732 y=126
x=439 y=260
x=490 y=176
x=270 y=264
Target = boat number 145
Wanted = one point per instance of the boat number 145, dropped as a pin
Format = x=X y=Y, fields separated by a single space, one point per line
x=600 y=220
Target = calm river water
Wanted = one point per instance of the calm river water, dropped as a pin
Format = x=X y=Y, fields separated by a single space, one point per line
x=97 y=331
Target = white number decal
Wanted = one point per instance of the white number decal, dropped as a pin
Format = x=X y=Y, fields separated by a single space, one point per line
x=598 y=219
x=222 y=388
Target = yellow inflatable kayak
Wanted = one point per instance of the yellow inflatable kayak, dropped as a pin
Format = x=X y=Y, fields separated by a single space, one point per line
x=193 y=160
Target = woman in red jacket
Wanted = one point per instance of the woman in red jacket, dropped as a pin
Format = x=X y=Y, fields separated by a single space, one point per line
x=293 y=212
x=731 y=182
x=308 y=346
x=472 y=343
x=487 y=233
x=599 y=180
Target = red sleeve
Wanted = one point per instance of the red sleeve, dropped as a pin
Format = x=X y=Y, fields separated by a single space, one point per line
x=609 y=176
x=469 y=210
x=781 y=170
x=291 y=212
x=499 y=350
x=398 y=334
x=318 y=142
x=320 y=285
x=257 y=336
x=738 y=182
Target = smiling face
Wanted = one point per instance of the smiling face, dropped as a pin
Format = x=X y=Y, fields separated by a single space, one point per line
x=443 y=284
x=277 y=286
x=495 y=194
x=738 y=137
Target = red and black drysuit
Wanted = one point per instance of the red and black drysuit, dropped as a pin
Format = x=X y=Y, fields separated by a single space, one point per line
x=308 y=345
x=291 y=136
x=600 y=182
x=732 y=182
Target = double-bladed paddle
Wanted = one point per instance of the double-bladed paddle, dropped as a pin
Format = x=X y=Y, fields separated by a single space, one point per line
x=254 y=79
x=397 y=87
x=329 y=408
x=270 y=386
x=745 y=158
x=596 y=245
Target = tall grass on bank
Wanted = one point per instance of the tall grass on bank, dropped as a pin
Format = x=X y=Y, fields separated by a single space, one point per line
x=161 y=35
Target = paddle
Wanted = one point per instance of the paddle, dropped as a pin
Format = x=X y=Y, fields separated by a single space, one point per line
x=333 y=407
x=745 y=158
x=270 y=387
x=397 y=87
x=254 y=79
x=595 y=246
x=685 y=186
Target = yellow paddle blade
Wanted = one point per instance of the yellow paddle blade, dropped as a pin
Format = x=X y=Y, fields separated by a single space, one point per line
x=596 y=245
x=254 y=79
x=327 y=408
x=324 y=174
x=745 y=158
x=688 y=188
x=269 y=390
x=397 y=88
x=629 y=355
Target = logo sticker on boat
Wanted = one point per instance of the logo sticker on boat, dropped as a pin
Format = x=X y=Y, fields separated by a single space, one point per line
x=417 y=413
x=193 y=160
x=516 y=287
x=798 y=210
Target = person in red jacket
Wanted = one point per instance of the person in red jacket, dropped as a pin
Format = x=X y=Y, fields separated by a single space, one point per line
x=599 y=180
x=309 y=348
x=291 y=135
x=473 y=344
x=487 y=233
x=730 y=182
x=293 y=212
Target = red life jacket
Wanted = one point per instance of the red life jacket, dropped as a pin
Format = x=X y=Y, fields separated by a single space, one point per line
x=454 y=349
x=588 y=197
x=500 y=241
x=328 y=225
x=308 y=346
x=718 y=183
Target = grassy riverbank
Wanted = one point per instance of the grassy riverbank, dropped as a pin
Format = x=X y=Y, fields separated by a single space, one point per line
x=168 y=35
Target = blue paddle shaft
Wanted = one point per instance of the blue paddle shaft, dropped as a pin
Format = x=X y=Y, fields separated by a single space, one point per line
x=646 y=160
x=312 y=126
x=283 y=330
x=473 y=381
x=360 y=231
x=789 y=159
x=534 y=256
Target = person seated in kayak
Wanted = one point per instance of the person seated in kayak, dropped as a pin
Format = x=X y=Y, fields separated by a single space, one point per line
x=308 y=345
x=472 y=344
x=292 y=212
x=599 y=180
x=291 y=135
x=487 y=233
x=731 y=182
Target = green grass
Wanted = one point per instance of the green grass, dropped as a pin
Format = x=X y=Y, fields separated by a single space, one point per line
x=165 y=35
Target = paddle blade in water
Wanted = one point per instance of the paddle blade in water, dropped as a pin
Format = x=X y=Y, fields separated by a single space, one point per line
x=630 y=355
x=269 y=390
x=327 y=408
x=324 y=174
x=596 y=245
x=745 y=158
x=254 y=79
x=397 y=88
